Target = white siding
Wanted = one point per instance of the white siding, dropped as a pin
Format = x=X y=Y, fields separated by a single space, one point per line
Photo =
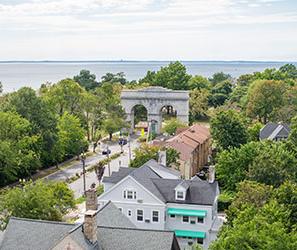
x=144 y=201
x=177 y=223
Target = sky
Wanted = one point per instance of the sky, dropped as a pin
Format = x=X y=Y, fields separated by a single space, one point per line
x=148 y=30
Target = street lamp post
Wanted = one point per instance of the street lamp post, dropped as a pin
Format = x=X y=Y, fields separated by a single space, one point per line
x=129 y=147
x=83 y=158
x=108 y=163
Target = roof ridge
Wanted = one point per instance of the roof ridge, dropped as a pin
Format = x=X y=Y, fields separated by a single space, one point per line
x=137 y=229
x=42 y=221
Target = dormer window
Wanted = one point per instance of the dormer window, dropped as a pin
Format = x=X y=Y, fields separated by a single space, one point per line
x=180 y=195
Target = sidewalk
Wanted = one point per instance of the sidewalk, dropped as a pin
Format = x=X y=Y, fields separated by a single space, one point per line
x=76 y=167
x=123 y=161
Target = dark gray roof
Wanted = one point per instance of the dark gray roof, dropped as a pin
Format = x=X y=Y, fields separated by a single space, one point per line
x=155 y=166
x=110 y=216
x=27 y=234
x=199 y=192
x=270 y=128
x=135 y=239
x=152 y=164
x=144 y=176
x=115 y=231
x=118 y=176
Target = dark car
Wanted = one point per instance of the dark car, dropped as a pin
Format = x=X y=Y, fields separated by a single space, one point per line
x=123 y=141
x=106 y=151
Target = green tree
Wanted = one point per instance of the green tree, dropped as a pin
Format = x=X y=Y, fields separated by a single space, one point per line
x=114 y=78
x=228 y=129
x=172 y=125
x=292 y=140
x=253 y=131
x=257 y=229
x=20 y=154
x=147 y=152
x=1 y=88
x=286 y=195
x=219 y=77
x=232 y=165
x=39 y=200
x=198 y=103
x=64 y=96
x=199 y=82
x=220 y=93
x=174 y=76
x=113 y=124
x=265 y=97
x=274 y=165
x=71 y=135
x=86 y=79
x=149 y=77
x=249 y=193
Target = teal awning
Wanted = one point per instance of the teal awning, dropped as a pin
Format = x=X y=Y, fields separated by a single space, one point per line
x=191 y=234
x=186 y=212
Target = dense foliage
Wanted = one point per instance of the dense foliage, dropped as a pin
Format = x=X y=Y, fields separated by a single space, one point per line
x=39 y=200
x=147 y=152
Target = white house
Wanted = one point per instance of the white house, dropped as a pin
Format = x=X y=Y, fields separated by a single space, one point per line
x=155 y=197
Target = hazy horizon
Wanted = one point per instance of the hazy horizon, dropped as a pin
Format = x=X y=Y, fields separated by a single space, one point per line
x=186 y=30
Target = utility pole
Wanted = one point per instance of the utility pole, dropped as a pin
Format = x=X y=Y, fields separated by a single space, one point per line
x=108 y=163
x=83 y=158
x=129 y=147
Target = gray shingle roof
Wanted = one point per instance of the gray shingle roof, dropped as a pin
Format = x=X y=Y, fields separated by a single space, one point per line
x=27 y=234
x=135 y=239
x=199 y=192
x=110 y=216
x=118 y=176
x=114 y=231
x=270 y=130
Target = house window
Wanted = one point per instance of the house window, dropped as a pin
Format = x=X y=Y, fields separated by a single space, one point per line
x=200 y=241
x=129 y=212
x=200 y=220
x=120 y=209
x=172 y=215
x=129 y=194
x=155 y=216
x=180 y=195
x=185 y=218
x=140 y=215
x=193 y=221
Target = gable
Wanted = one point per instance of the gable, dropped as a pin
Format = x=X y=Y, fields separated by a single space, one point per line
x=116 y=192
x=66 y=244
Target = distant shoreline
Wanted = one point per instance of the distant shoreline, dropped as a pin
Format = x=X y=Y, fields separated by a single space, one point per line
x=140 y=61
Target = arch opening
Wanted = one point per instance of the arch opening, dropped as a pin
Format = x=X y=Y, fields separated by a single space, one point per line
x=140 y=117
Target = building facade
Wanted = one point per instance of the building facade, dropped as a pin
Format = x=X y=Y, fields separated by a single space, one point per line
x=194 y=147
x=150 y=201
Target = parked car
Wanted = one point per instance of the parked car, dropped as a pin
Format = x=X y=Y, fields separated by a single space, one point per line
x=123 y=141
x=106 y=151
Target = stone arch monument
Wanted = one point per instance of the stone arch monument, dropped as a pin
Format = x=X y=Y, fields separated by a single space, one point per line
x=154 y=99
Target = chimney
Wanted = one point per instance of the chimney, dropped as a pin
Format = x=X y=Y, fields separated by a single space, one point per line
x=162 y=158
x=211 y=174
x=91 y=199
x=90 y=226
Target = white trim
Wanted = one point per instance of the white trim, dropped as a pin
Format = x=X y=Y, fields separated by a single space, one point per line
x=153 y=216
x=123 y=180
x=137 y=215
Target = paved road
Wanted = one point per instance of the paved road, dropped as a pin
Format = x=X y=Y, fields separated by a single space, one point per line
x=68 y=172
x=123 y=161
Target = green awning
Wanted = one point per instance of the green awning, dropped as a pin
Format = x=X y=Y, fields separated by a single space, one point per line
x=191 y=234
x=186 y=212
